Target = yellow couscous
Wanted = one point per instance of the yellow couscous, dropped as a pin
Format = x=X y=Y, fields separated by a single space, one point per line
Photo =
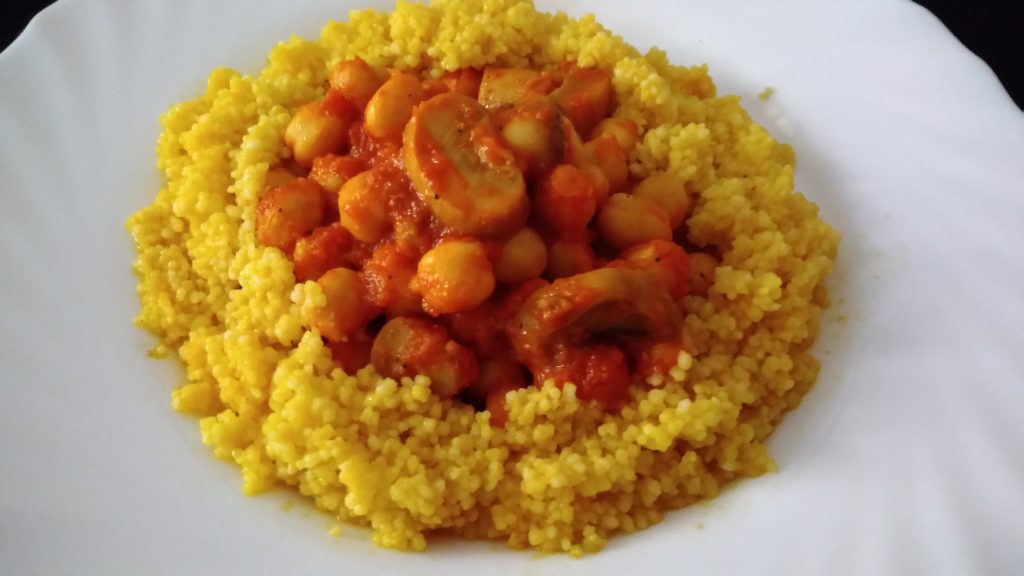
x=556 y=471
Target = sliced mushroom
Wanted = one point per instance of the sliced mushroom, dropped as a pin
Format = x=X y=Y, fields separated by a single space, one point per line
x=562 y=326
x=462 y=169
x=504 y=86
x=287 y=213
x=584 y=97
x=411 y=346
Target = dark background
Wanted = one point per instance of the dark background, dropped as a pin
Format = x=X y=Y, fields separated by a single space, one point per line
x=992 y=29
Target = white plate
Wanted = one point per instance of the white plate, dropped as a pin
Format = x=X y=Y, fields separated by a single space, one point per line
x=906 y=458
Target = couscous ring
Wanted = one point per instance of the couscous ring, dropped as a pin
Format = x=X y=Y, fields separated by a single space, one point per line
x=654 y=213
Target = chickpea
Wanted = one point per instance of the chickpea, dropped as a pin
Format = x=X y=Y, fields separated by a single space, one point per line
x=276 y=177
x=363 y=212
x=565 y=200
x=319 y=128
x=464 y=81
x=409 y=346
x=702 y=272
x=526 y=137
x=454 y=276
x=327 y=247
x=356 y=80
x=533 y=130
x=624 y=131
x=387 y=275
x=347 y=310
x=569 y=257
x=669 y=192
x=289 y=212
x=523 y=257
x=667 y=263
x=627 y=220
x=390 y=108
x=330 y=171
x=605 y=153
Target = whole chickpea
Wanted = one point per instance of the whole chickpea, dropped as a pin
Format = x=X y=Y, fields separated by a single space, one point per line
x=390 y=107
x=363 y=212
x=347 y=309
x=669 y=192
x=627 y=220
x=454 y=276
x=522 y=257
x=356 y=80
x=319 y=128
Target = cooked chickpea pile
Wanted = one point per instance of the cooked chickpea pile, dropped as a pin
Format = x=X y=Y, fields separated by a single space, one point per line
x=482 y=229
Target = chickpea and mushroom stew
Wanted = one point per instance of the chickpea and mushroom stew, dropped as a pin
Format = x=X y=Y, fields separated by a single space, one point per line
x=497 y=198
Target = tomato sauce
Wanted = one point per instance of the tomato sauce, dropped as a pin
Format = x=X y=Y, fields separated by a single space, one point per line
x=420 y=221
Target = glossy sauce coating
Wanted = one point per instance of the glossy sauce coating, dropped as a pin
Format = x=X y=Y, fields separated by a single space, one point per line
x=483 y=230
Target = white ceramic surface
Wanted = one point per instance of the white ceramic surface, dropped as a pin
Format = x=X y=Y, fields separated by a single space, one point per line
x=906 y=458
